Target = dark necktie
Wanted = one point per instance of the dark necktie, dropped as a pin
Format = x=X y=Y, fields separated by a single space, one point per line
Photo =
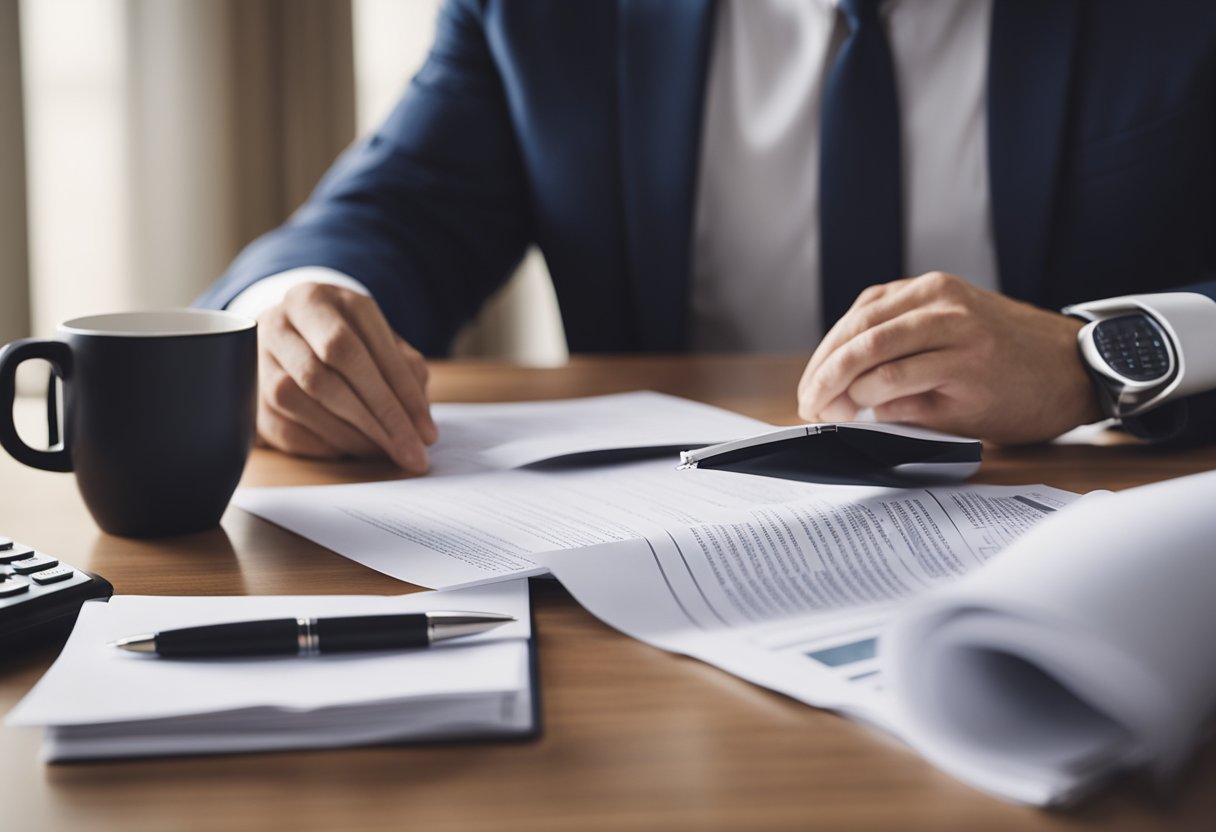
x=860 y=195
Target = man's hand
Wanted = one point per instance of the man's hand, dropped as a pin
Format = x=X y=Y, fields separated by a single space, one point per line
x=936 y=351
x=335 y=380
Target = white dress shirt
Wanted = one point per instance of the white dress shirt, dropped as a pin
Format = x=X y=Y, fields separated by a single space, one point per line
x=755 y=256
x=271 y=290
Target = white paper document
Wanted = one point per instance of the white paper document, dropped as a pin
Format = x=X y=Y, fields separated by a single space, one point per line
x=486 y=524
x=1027 y=642
x=459 y=530
x=98 y=701
x=481 y=514
x=483 y=437
x=794 y=596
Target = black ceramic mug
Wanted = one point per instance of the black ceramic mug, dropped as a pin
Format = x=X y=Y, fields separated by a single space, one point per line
x=159 y=412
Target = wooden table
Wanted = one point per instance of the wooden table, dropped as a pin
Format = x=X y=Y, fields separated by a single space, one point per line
x=634 y=738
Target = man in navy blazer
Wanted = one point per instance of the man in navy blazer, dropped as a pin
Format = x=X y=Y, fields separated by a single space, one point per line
x=577 y=126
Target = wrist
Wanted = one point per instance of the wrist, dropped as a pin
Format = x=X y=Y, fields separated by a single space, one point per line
x=270 y=290
x=1084 y=394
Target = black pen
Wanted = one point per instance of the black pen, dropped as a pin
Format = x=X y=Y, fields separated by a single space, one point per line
x=310 y=636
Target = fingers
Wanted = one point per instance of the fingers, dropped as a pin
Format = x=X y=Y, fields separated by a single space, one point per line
x=868 y=328
x=278 y=431
x=938 y=352
x=922 y=409
x=910 y=395
x=327 y=357
x=881 y=303
x=341 y=364
x=336 y=380
x=421 y=371
x=286 y=400
x=850 y=324
x=402 y=367
x=904 y=378
x=828 y=394
x=840 y=409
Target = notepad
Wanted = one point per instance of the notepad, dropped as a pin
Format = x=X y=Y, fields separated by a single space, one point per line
x=98 y=702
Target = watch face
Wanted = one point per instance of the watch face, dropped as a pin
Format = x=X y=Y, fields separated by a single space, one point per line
x=1134 y=347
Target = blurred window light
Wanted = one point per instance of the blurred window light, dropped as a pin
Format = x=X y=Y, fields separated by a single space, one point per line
x=74 y=86
x=392 y=38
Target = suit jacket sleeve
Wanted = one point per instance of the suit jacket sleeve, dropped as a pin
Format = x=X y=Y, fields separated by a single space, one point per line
x=430 y=213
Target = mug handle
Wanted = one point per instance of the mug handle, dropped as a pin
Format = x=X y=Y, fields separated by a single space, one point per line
x=59 y=355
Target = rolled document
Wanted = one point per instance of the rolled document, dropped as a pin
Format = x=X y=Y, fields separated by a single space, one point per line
x=1085 y=648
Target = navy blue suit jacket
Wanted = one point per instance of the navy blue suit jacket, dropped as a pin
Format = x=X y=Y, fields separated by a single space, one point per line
x=576 y=126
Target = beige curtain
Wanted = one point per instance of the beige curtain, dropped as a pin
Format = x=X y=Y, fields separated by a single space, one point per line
x=236 y=109
x=14 y=261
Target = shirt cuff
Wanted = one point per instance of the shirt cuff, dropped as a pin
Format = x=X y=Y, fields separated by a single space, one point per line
x=271 y=290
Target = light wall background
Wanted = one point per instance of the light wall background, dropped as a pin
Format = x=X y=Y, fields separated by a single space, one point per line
x=162 y=135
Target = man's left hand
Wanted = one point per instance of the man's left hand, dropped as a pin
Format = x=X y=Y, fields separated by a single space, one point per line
x=936 y=351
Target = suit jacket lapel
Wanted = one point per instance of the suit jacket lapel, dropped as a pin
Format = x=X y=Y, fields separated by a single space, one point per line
x=665 y=47
x=1029 y=75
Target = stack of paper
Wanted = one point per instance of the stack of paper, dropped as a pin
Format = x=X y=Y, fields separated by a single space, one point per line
x=97 y=701
x=514 y=480
x=1027 y=642
x=482 y=512
x=1083 y=650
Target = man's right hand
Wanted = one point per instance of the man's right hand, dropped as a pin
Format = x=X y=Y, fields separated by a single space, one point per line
x=335 y=380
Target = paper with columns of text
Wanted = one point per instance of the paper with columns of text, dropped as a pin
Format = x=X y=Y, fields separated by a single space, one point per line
x=469 y=529
x=795 y=597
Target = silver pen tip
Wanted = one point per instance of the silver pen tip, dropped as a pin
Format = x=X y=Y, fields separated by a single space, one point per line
x=445 y=625
x=484 y=617
x=145 y=643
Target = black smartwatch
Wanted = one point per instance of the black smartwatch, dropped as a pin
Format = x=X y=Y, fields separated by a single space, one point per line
x=1143 y=351
x=1131 y=359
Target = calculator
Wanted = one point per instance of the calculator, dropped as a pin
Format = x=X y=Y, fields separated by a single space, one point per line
x=40 y=596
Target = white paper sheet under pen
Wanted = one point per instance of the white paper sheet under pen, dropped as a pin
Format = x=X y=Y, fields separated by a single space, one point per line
x=483 y=437
x=106 y=702
x=793 y=597
x=460 y=530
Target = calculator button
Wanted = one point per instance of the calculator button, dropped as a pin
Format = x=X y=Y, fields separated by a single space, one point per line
x=13 y=586
x=16 y=553
x=6 y=543
x=34 y=564
x=50 y=576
